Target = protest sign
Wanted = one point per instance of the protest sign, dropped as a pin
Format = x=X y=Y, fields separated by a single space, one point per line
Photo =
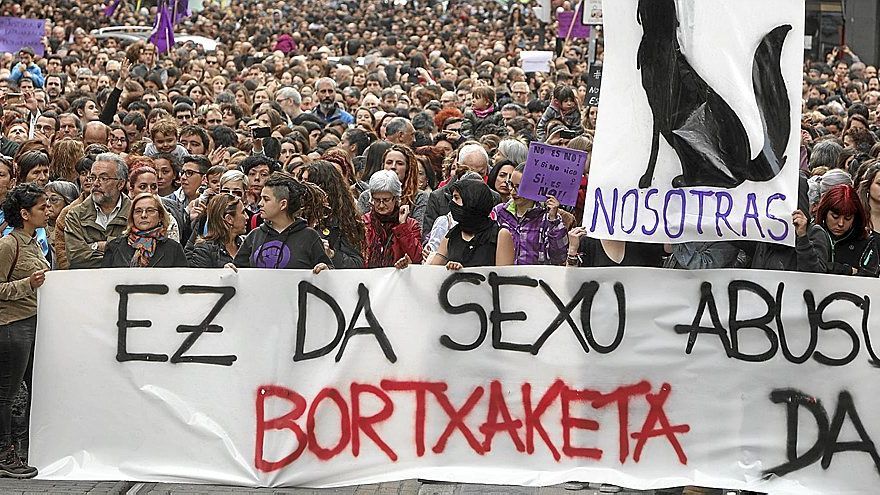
x=579 y=30
x=592 y=13
x=535 y=61
x=552 y=171
x=517 y=375
x=699 y=135
x=17 y=33
x=594 y=85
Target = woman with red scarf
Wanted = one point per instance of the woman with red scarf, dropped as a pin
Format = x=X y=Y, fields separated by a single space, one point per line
x=393 y=238
x=146 y=244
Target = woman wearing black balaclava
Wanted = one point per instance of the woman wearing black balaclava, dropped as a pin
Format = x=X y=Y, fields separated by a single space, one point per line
x=476 y=240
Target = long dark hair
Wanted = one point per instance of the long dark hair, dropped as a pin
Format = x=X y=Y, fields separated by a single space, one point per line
x=324 y=175
x=374 y=159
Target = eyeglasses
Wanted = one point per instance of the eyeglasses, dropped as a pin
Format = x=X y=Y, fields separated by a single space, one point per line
x=383 y=201
x=190 y=173
x=511 y=185
x=139 y=212
x=102 y=179
x=235 y=192
x=55 y=199
x=118 y=139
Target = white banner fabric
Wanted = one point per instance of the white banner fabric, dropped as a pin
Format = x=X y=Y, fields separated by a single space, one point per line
x=699 y=123
x=525 y=375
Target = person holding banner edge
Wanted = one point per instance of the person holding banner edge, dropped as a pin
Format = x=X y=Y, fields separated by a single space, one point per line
x=538 y=230
x=285 y=240
x=145 y=243
x=475 y=240
x=23 y=268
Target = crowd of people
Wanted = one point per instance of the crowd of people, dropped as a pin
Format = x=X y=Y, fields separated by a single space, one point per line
x=346 y=135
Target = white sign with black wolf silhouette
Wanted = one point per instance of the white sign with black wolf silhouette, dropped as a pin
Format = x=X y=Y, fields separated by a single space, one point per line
x=698 y=130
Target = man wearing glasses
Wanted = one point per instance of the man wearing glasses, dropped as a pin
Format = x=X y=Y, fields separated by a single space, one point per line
x=519 y=92
x=192 y=177
x=102 y=217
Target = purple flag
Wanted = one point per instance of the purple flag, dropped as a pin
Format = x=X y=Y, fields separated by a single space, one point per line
x=111 y=9
x=163 y=31
x=181 y=11
x=579 y=30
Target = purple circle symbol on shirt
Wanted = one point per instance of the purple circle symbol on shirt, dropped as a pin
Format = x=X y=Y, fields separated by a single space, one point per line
x=273 y=254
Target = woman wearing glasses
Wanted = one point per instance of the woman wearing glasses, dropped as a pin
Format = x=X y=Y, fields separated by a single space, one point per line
x=401 y=160
x=393 y=237
x=118 y=140
x=145 y=243
x=59 y=195
x=226 y=226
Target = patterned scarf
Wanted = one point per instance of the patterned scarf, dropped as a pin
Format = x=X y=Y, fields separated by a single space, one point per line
x=144 y=243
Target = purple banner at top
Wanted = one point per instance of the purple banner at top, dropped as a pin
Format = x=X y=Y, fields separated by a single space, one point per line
x=552 y=171
x=17 y=33
x=578 y=31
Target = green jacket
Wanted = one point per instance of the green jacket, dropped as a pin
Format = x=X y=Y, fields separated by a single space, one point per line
x=81 y=230
x=17 y=299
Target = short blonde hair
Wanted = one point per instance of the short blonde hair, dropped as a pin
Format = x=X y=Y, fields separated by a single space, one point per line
x=164 y=217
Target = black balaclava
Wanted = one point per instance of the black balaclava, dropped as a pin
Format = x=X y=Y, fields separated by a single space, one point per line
x=477 y=199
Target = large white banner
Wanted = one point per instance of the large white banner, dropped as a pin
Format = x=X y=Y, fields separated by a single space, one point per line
x=530 y=376
x=698 y=134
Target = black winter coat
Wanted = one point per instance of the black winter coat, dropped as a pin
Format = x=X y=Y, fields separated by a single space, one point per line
x=208 y=254
x=169 y=254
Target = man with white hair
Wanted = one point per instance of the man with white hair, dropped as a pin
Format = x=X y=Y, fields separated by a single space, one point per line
x=102 y=217
x=474 y=157
x=290 y=101
x=327 y=110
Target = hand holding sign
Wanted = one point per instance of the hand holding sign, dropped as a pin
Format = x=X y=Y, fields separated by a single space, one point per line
x=552 y=172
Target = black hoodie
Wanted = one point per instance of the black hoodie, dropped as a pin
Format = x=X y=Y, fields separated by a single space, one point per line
x=297 y=247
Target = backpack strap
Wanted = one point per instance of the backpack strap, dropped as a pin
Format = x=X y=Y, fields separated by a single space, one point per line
x=14 y=259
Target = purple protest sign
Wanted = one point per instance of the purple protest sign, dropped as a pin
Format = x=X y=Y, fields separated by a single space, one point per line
x=552 y=171
x=17 y=33
x=578 y=31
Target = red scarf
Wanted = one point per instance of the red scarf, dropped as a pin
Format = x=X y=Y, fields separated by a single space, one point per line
x=379 y=253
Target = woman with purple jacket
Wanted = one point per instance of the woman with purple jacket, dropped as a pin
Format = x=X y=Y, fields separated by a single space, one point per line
x=540 y=236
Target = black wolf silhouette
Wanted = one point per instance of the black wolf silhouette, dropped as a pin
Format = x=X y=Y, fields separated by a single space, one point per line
x=706 y=134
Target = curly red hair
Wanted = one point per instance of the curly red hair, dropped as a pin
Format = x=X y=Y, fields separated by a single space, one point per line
x=446 y=114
